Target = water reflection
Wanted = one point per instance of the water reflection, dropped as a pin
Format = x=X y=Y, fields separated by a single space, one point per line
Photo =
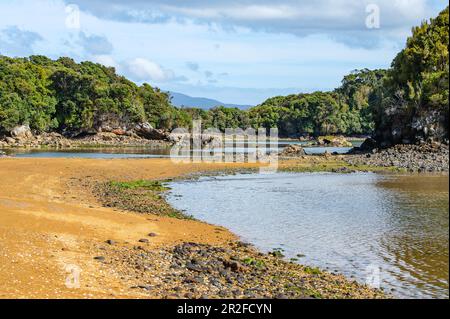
x=161 y=152
x=417 y=239
x=345 y=222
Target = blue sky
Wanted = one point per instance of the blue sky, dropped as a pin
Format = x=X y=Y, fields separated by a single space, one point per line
x=235 y=51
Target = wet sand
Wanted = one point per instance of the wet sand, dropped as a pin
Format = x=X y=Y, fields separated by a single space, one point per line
x=46 y=226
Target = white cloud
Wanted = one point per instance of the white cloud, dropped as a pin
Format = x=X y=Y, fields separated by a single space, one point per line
x=141 y=69
x=301 y=18
x=105 y=60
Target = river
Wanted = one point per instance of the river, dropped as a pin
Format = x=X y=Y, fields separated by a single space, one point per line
x=390 y=230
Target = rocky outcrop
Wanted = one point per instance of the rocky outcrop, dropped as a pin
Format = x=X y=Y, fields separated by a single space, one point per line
x=21 y=132
x=431 y=157
x=336 y=141
x=368 y=145
x=400 y=125
x=292 y=151
x=100 y=139
x=140 y=134
x=147 y=131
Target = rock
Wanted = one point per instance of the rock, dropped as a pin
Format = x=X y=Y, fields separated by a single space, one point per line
x=143 y=240
x=152 y=235
x=336 y=141
x=304 y=138
x=400 y=125
x=212 y=141
x=216 y=271
x=145 y=287
x=147 y=131
x=119 y=132
x=368 y=145
x=99 y=258
x=428 y=157
x=110 y=242
x=233 y=265
x=193 y=267
x=21 y=132
x=189 y=295
x=292 y=151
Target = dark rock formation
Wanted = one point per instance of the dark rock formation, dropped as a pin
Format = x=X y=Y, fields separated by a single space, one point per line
x=292 y=151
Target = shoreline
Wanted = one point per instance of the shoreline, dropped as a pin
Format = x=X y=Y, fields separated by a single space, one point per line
x=69 y=226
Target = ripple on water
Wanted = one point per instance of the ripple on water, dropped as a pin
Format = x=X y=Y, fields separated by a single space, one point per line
x=346 y=222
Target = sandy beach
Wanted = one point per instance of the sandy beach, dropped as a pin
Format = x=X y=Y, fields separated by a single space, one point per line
x=45 y=226
x=54 y=229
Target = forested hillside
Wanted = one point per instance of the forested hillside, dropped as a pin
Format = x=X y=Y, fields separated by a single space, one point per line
x=412 y=105
x=74 y=98
x=346 y=110
x=407 y=103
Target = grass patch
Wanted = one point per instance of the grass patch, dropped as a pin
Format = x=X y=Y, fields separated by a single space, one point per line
x=141 y=196
x=304 y=292
x=142 y=184
x=254 y=262
x=312 y=270
x=277 y=252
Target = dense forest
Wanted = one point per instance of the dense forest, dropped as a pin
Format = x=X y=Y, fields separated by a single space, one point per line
x=412 y=104
x=73 y=98
x=405 y=103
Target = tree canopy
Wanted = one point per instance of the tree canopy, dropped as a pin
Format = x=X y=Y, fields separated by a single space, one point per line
x=346 y=110
x=74 y=97
x=405 y=103
x=412 y=104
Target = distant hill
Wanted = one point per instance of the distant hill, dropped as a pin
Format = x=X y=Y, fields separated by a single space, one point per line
x=183 y=100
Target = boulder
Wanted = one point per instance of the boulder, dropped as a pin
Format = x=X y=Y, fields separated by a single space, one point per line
x=21 y=132
x=292 y=151
x=212 y=141
x=368 y=145
x=336 y=141
x=119 y=131
x=10 y=140
x=304 y=138
x=147 y=131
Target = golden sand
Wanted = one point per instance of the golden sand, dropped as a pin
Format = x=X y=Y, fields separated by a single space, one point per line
x=48 y=228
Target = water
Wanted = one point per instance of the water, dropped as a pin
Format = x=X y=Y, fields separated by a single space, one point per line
x=148 y=152
x=356 y=224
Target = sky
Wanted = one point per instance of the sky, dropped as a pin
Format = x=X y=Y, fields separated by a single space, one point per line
x=235 y=51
